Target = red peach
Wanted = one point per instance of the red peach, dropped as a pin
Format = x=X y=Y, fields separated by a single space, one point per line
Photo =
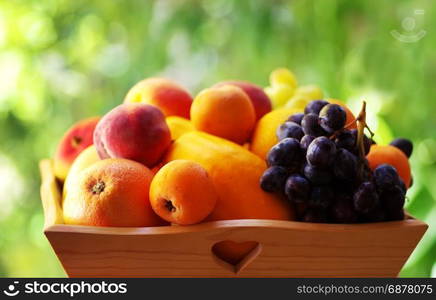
x=167 y=95
x=135 y=131
x=261 y=102
x=77 y=138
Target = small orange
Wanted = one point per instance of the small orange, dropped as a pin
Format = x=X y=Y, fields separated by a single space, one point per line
x=182 y=192
x=387 y=154
x=111 y=192
x=225 y=111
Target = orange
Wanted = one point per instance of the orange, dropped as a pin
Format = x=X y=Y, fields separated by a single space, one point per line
x=387 y=154
x=224 y=111
x=111 y=192
x=182 y=193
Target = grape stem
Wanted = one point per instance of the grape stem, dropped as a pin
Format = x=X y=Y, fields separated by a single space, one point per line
x=361 y=125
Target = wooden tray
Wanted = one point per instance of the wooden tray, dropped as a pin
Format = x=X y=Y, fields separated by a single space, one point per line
x=285 y=248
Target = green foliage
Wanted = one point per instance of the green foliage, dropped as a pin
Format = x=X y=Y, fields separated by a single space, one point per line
x=61 y=61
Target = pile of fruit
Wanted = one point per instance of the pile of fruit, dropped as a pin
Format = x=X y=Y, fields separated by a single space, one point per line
x=234 y=151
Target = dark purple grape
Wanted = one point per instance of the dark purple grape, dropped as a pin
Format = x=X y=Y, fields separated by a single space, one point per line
x=310 y=125
x=300 y=210
x=365 y=199
x=289 y=130
x=317 y=175
x=287 y=153
x=377 y=214
x=393 y=199
x=297 y=118
x=297 y=188
x=386 y=177
x=321 y=152
x=396 y=215
x=345 y=165
x=305 y=141
x=342 y=211
x=315 y=106
x=346 y=139
x=273 y=179
x=404 y=145
x=321 y=196
x=315 y=216
x=332 y=117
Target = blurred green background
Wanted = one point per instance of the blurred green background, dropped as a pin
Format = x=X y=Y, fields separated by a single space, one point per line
x=61 y=61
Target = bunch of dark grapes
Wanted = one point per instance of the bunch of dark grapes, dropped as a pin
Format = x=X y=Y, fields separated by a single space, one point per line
x=320 y=167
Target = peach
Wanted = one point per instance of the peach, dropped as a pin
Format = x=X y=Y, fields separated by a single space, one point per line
x=75 y=140
x=261 y=102
x=182 y=193
x=111 y=192
x=224 y=111
x=171 y=98
x=135 y=131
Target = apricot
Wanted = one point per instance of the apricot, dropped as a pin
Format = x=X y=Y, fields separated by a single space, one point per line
x=350 y=115
x=224 y=111
x=182 y=193
x=86 y=158
x=387 y=154
x=261 y=102
x=168 y=96
x=178 y=126
x=111 y=192
x=75 y=140
x=135 y=131
x=235 y=172
x=264 y=136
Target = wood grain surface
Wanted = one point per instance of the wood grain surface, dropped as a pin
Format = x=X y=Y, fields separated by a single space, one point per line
x=286 y=249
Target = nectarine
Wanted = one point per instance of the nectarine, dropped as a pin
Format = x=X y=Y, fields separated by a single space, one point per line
x=74 y=141
x=167 y=95
x=135 y=131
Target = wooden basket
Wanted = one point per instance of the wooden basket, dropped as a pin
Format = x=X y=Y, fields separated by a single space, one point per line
x=284 y=249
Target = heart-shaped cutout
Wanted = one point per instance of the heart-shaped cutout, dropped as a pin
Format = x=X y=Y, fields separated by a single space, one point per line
x=235 y=256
